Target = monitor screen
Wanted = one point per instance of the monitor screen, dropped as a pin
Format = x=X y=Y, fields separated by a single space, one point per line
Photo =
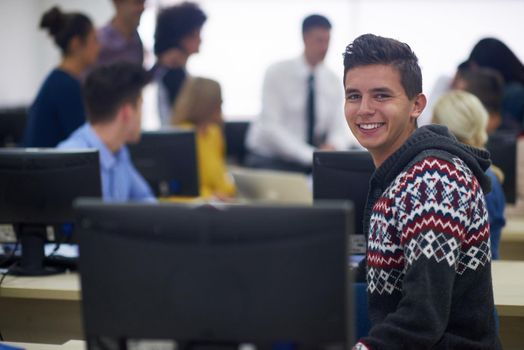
x=502 y=145
x=37 y=188
x=214 y=275
x=168 y=161
x=344 y=175
x=12 y=125
x=235 y=134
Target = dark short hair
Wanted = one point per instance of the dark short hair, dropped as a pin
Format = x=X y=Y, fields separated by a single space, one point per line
x=108 y=87
x=369 y=49
x=63 y=27
x=485 y=83
x=176 y=22
x=493 y=53
x=315 y=21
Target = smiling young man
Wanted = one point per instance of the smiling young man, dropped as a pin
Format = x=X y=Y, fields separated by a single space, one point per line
x=428 y=259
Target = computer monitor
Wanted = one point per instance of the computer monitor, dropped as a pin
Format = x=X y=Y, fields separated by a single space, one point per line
x=502 y=145
x=168 y=161
x=215 y=275
x=235 y=134
x=344 y=175
x=12 y=125
x=37 y=188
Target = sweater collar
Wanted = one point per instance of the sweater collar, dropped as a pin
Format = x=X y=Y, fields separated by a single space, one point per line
x=434 y=137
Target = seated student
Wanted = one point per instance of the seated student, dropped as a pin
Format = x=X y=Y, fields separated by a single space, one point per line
x=58 y=108
x=199 y=105
x=487 y=85
x=467 y=119
x=427 y=265
x=113 y=96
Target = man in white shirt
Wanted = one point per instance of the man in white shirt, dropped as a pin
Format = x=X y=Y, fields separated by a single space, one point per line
x=302 y=107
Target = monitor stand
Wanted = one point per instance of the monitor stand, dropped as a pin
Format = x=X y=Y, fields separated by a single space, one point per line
x=32 y=239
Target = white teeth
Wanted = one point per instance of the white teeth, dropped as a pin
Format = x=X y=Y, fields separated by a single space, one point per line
x=371 y=126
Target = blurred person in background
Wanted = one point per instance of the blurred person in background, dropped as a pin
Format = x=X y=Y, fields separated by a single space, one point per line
x=199 y=106
x=301 y=107
x=58 y=108
x=493 y=53
x=467 y=119
x=119 y=39
x=177 y=37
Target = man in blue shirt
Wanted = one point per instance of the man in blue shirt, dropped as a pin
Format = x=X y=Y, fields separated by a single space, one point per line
x=113 y=97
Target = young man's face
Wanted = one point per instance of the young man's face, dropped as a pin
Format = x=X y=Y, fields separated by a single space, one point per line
x=378 y=111
x=191 y=43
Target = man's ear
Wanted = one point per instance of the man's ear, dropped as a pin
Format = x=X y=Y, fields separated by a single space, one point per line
x=418 y=105
x=123 y=113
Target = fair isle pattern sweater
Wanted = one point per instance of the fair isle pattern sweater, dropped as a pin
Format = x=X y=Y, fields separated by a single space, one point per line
x=428 y=258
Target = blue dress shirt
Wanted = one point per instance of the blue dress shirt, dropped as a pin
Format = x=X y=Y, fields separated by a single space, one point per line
x=120 y=179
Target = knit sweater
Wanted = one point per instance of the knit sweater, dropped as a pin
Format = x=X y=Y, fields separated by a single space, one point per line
x=428 y=253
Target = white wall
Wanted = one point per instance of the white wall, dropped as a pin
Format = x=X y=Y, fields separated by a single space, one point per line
x=28 y=52
x=242 y=37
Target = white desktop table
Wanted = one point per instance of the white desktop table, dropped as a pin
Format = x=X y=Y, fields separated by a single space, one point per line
x=43 y=309
x=512 y=239
x=48 y=309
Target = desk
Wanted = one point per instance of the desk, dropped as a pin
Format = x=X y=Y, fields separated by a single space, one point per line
x=508 y=289
x=44 y=309
x=48 y=310
x=512 y=239
x=70 y=345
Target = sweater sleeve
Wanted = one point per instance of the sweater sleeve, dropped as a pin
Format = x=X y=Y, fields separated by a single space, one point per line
x=433 y=211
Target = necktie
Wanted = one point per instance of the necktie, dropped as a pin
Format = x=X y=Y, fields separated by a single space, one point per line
x=310 y=110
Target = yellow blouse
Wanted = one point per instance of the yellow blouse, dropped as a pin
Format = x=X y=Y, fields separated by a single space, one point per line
x=214 y=178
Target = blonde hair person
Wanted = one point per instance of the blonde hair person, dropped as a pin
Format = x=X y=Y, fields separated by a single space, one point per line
x=467 y=119
x=464 y=115
x=199 y=106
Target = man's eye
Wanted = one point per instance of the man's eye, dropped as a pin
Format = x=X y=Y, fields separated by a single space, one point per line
x=352 y=97
x=381 y=96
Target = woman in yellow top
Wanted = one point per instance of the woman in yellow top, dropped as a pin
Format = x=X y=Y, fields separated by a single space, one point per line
x=199 y=106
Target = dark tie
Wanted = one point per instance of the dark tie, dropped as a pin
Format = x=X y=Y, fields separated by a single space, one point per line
x=310 y=110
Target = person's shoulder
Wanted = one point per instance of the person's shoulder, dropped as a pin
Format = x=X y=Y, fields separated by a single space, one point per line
x=73 y=142
x=105 y=33
x=282 y=66
x=60 y=79
x=433 y=164
x=514 y=91
x=78 y=139
x=328 y=73
x=215 y=131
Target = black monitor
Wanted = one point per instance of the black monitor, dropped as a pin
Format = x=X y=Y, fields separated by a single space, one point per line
x=215 y=276
x=168 y=161
x=12 y=125
x=37 y=188
x=235 y=134
x=502 y=145
x=344 y=175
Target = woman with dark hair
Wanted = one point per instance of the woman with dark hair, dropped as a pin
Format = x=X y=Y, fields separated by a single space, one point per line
x=494 y=54
x=58 y=108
